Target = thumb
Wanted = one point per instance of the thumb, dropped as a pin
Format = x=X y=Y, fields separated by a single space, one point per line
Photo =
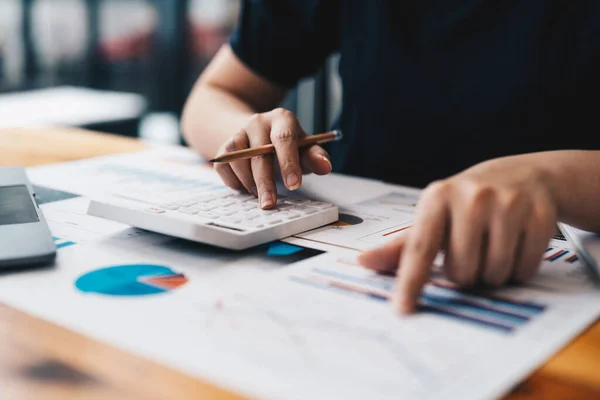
x=385 y=258
x=315 y=160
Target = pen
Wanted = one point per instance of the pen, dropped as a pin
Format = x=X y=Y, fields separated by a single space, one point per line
x=269 y=148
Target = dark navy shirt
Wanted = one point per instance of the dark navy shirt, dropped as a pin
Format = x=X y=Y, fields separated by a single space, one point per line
x=432 y=87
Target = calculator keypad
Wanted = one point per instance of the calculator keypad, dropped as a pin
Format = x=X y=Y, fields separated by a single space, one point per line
x=239 y=209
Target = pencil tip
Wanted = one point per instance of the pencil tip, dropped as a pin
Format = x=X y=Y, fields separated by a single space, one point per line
x=213 y=160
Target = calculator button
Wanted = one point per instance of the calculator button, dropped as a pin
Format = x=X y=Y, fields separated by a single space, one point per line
x=251 y=214
x=254 y=201
x=186 y=203
x=289 y=215
x=224 y=211
x=204 y=198
x=155 y=210
x=206 y=207
x=189 y=211
x=306 y=210
x=268 y=212
x=227 y=203
x=282 y=205
x=247 y=207
x=208 y=214
x=296 y=201
x=242 y=197
x=170 y=206
x=320 y=205
x=272 y=220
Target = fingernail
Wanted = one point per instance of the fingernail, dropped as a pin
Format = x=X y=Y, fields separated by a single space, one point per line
x=266 y=199
x=328 y=162
x=402 y=305
x=361 y=258
x=292 y=181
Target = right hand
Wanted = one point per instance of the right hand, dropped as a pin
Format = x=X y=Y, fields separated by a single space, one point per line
x=280 y=127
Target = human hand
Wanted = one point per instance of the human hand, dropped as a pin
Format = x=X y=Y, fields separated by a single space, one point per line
x=493 y=222
x=280 y=127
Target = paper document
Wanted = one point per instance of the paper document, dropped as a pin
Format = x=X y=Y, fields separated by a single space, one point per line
x=587 y=246
x=70 y=225
x=156 y=169
x=369 y=223
x=321 y=328
x=294 y=319
x=324 y=329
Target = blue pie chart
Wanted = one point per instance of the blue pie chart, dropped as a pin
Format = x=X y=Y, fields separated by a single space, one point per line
x=131 y=280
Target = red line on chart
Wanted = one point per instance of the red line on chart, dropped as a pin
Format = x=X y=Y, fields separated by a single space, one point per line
x=396 y=231
x=556 y=255
x=572 y=259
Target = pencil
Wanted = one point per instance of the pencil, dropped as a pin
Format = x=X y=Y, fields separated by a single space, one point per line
x=269 y=148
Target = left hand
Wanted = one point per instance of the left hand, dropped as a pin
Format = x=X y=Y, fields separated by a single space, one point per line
x=493 y=222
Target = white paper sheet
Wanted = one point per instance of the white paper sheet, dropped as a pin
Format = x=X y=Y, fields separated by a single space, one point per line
x=156 y=167
x=70 y=225
x=371 y=222
x=323 y=329
x=253 y=323
x=290 y=334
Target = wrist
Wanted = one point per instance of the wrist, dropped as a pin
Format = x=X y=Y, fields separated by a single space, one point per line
x=552 y=177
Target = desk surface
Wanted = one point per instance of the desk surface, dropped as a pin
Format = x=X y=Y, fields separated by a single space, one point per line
x=41 y=360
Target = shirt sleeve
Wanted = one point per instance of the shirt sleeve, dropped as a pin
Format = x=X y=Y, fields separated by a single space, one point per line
x=286 y=40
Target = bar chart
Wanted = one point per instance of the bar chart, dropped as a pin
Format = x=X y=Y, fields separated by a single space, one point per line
x=553 y=254
x=480 y=308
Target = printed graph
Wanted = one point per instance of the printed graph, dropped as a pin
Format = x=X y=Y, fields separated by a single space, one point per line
x=345 y=219
x=386 y=235
x=280 y=253
x=441 y=298
x=62 y=243
x=142 y=176
x=553 y=254
x=131 y=280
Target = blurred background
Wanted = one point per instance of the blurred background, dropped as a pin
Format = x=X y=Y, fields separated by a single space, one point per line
x=124 y=66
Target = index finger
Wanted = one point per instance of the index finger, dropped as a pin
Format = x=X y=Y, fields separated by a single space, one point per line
x=423 y=243
x=285 y=134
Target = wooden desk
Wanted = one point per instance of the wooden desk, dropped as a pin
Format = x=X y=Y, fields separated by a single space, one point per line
x=41 y=360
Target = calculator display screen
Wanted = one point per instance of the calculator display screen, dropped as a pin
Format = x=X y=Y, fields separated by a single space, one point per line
x=16 y=206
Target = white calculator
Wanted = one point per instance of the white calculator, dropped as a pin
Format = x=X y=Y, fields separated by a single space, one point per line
x=221 y=217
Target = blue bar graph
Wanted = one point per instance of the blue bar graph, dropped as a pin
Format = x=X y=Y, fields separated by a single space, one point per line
x=62 y=243
x=485 y=309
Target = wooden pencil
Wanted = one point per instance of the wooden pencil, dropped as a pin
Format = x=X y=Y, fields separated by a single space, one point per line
x=269 y=148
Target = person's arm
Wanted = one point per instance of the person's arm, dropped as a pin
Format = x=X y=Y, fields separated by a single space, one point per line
x=231 y=108
x=223 y=100
x=493 y=221
x=575 y=176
